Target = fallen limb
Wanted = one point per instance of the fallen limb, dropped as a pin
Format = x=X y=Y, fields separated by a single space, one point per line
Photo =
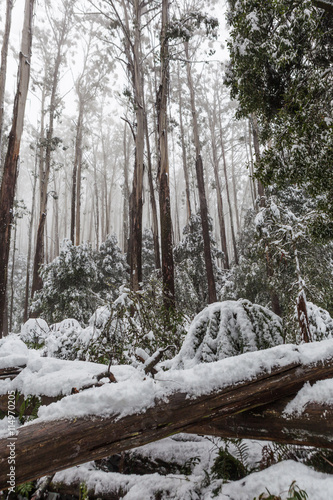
x=313 y=427
x=43 y=448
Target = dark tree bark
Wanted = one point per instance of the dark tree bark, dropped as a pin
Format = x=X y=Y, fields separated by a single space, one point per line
x=201 y=187
x=3 y=69
x=10 y=172
x=47 y=447
x=77 y=163
x=164 y=189
x=184 y=155
x=31 y=222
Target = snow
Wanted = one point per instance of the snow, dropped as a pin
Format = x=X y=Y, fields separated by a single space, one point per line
x=48 y=376
x=276 y=479
x=320 y=392
x=135 y=392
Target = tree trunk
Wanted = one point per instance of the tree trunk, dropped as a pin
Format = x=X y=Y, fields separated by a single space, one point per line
x=126 y=195
x=184 y=155
x=261 y=191
x=8 y=184
x=31 y=222
x=11 y=309
x=152 y=197
x=201 y=187
x=77 y=159
x=163 y=167
x=232 y=228
x=212 y=125
x=234 y=177
x=43 y=448
x=3 y=69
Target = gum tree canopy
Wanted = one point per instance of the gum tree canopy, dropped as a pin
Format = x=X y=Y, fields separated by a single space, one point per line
x=281 y=72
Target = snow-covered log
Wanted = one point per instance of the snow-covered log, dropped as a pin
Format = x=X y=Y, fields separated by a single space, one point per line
x=114 y=417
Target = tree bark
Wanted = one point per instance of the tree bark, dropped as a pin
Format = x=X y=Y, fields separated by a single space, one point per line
x=8 y=184
x=31 y=222
x=184 y=156
x=212 y=124
x=233 y=235
x=3 y=69
x=201 y=187
x=43 y=448
x=63 y=29
x=163 y=169
x=77 y=161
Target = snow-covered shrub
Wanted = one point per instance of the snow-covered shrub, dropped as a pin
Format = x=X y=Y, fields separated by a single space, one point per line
x=68 y=283
x=226 y=329
x=62 y=340
x=191 y=277
x=148 y=255
x=112 y=268
x=34 y=332
x=134 y=320
x=320 y=321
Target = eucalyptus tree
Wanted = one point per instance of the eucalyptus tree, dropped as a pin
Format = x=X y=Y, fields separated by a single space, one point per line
x=10 y=172
x=281 y=72
x=55 y=46
x=91 y=80
x=3 y=68
x=185 y=28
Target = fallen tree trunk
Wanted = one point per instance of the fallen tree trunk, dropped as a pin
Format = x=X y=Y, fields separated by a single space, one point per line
x=45 y=447
x=313 y=427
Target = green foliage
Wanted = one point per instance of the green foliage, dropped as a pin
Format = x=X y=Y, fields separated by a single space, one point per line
x=267 y=264
x=294 y=493
x=79 y=279
x=191 y=282
x=136 y=320
x=25 y=489
x=226 y=466
x=29 y=405
x=68 y=283
x=227 y=329
x=280 y=59
x=83 y=493
x=112 y=268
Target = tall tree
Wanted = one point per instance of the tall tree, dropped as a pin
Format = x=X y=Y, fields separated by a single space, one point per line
x=3 y=68
x=10 y=172
x=201 y=183
x=281 y=71
x=60 y=29
x=164 y=191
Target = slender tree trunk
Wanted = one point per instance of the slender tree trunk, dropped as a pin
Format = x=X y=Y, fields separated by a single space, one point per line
x=77 y=157
x=78 y=190
x=137 y=189
x=11 y=309
x=164 y=192
x=234 y=187
x=31 y=222
x=10 y=171
x=55 y=232
x=254 y=124
x=249 y=159
x=63 y=31
x=184 y=155
x=233 y=236
x=125 y=193
x=201 y=187
x=152 y=198
x=3 y=69
x=212 y=125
